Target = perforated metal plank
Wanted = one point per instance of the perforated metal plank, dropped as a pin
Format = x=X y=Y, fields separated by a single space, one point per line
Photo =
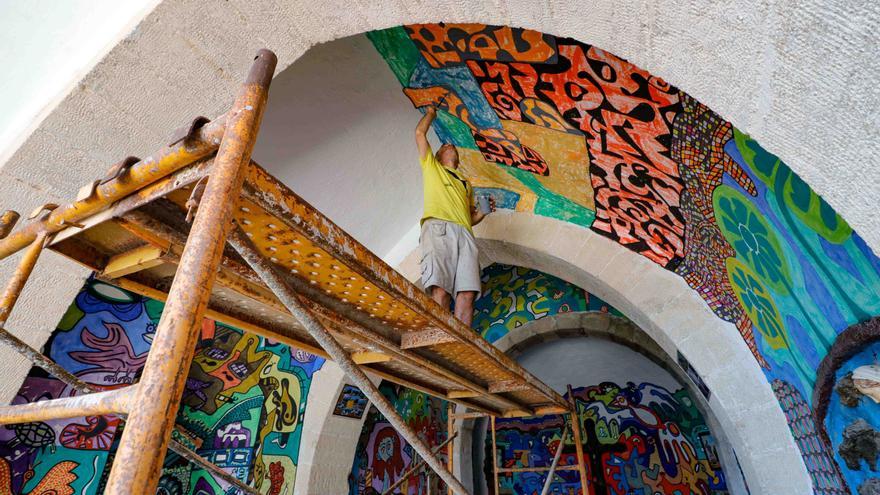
x=365 y=303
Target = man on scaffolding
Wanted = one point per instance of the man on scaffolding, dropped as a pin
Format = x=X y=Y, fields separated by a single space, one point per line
x=449 y=251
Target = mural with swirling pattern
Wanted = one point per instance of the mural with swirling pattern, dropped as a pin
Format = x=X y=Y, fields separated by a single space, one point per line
x=639 y=438
x=243 y=405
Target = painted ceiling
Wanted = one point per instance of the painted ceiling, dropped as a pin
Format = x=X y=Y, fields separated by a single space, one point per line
x=563 y=129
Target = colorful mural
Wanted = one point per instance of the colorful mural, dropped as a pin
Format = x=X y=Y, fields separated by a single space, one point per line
x=639 y=439
x=843 y=412
x=382 y=454
x=824 y=471
x=243 y=404
x=351 y=402
x=513 y=296
x=563 y=129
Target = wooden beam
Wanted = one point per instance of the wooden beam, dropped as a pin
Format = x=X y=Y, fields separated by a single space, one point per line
x=433 y=393
x=470 y=415
x=134 y=260
x=369 y=357
x=508 y=386
x=517 y=413
x=545 y=410
x=425 y=338
x=462 y=394
x=220 y=316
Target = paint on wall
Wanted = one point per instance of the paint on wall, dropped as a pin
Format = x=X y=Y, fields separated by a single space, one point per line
x=513 y=296
x=351 y=402
x=843 y=412
x=639 y=439
x=383 y=455
x=243 y=405
x=575 y=133
x=824 y=471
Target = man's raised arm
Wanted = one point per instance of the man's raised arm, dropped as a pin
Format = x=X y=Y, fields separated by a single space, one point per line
x=422 y=131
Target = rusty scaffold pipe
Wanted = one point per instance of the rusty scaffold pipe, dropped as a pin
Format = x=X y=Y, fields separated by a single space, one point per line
x=20 y=277
x=109 y=402
x=138 y=461
x=270 y=276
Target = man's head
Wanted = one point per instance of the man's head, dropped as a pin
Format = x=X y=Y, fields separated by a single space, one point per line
x=447 y=155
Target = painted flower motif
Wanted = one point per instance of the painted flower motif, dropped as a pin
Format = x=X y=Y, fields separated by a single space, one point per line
x=752 y=237
x=798 y=197
x=757 y=302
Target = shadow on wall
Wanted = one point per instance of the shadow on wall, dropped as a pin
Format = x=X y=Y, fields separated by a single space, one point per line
x=244 y=401
x=563 y=129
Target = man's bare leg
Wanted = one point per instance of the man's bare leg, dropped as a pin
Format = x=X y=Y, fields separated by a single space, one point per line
x=464 y=306
x=440 y=296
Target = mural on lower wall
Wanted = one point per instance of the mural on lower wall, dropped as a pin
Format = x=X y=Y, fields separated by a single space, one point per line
x=563 y=129
x=383 y=455
x=640 y=439
x=244 y=401
x=513 y=296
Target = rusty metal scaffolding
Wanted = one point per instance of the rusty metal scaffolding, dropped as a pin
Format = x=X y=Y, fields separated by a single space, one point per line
x=160 y=227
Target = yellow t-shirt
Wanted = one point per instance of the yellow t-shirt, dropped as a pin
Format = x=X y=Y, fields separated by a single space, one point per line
x=448 y=195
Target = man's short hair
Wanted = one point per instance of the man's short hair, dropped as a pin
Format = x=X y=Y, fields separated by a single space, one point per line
x=437 y=153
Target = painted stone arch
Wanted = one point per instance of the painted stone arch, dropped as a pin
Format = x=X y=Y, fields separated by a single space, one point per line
x=522 y=309
x=519 y=309
x=563 y=129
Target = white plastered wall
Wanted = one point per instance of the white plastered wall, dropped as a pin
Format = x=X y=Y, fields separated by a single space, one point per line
x=661 y=304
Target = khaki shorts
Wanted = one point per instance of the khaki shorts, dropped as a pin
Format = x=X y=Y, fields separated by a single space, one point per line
x=449 y=257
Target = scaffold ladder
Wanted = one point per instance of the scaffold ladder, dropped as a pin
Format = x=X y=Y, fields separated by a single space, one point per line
x=571 y=423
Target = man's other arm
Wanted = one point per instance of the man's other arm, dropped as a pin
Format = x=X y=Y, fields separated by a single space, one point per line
x=477 y=216
x=422 y=131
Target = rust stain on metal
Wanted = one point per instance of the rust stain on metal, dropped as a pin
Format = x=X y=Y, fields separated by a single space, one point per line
x=138 y=461
x=19 y=278
x=141 y=174
x=269 y=273
x=7 y=222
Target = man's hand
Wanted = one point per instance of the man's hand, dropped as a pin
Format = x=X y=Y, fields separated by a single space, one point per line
x=422 y=131
x=477 y=216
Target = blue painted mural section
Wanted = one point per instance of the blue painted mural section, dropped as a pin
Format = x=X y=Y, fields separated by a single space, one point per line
x=839 y=416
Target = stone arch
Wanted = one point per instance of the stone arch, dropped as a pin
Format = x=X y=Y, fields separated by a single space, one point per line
x=614 y=329
x=658 y=302
x=124 y=121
